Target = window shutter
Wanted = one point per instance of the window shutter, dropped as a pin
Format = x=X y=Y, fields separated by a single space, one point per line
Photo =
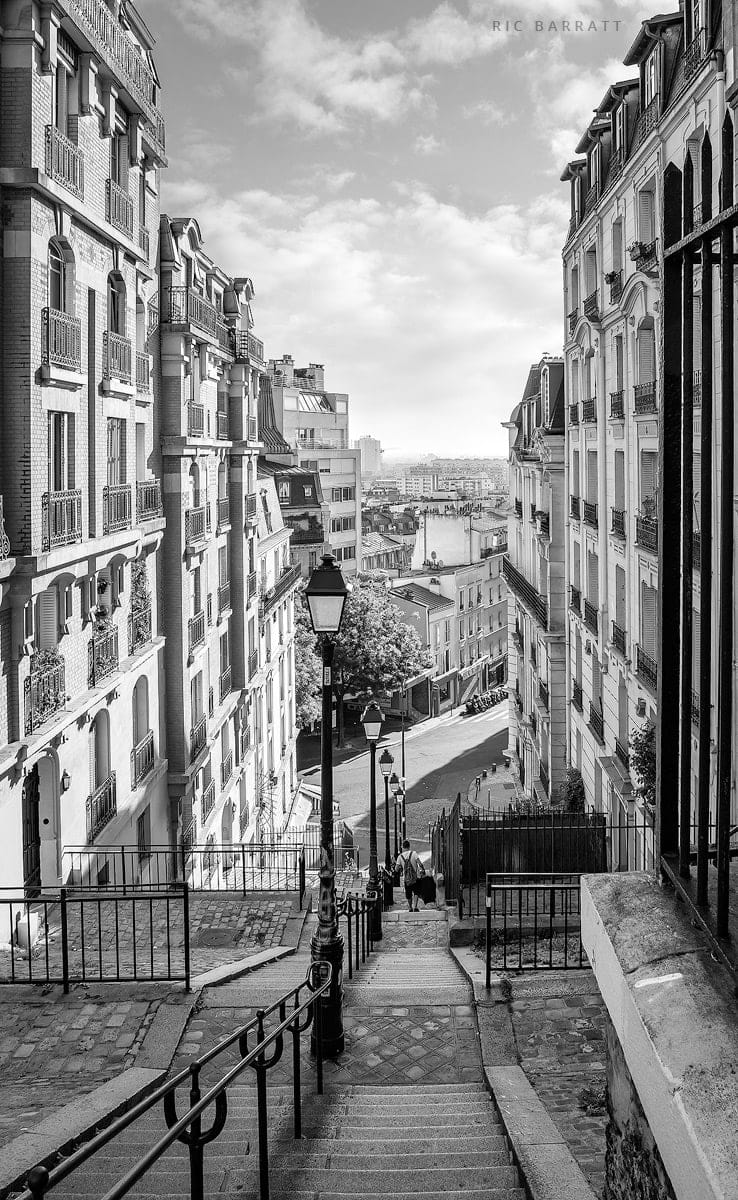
x=617 y=245
x=48 y=619
x=646 y=356
x=648 y=474
x=645 y=216
x=618 y=362
x=697 y=330
x=593 y=581
x=592 y=476
x=695 y=650
x=648 y=620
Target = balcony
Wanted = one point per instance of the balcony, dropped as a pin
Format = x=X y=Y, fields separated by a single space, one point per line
x=597 y=724
x=534 y=602
x=572 y=319
x=184 y=306
x=101 y=807
x=533 y=511
x=116 y=507
x=143 y=373
x=249 y=348
x=517 y=637
x=591 y=307
x=533 y=723
x=695 y=707
x=617 y=522
x=621 y=753
x=617 y=405
x=647 y=534
x=211 y=702
x=615 y=281
x=646 y=668
x=64 y=162
x=694 y=55
x=253 y=663
x=225 y=684
x=518 y=701
x=518 y=506
x=532 y=654
x=226 y=769
x=618 y=637
x=575 y=507
x=221 y=426
x=648 y=119
x=696 y=550
x=251 y=585
x=195 y=420
x=223 y=511
x=253 y=429
x=61 y=519
x=196 y=630
x=198 y=738
x=543 y=695
x=287 y=580
x=142 y=759
x=224 y=597
x=144 y=241
x=148 y=500
x=645 y=398
x=615 y=168
x=591 y=617
x=589 y=409
x=544 y=524
x=195 y=525
x=139 y=629
x=62 y=340
x=102 y=655
x=644 y=254
x=4 y=539
x=119 y=208
x=573 y=414
x=207 y=802
x=589 y=511
x=250 y=508
x=117 y=357
x=576 y=695
x=44 y=690
x=575 y=599
x=245 y=740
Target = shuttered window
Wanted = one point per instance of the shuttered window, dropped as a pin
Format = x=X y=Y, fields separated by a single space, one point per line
x=620 y=596
x=593 y=579
x=592 y=476
x=61 y=456
x=649 y=475
x=575 y=473
x=196 y=697
x=577 y=565
x=48 y=619
x=648 y=619
x=697 y=331
x=646 y=355
x=620 y=479
x=646 y=232
x=618 y=362
x=617 y=245
x=695 y=650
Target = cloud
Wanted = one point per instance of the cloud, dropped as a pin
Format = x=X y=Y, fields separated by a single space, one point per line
x=427 y=143
x=446 y=37
x=487 y=112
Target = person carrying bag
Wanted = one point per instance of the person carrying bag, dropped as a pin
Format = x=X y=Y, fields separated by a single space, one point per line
x=410 y=869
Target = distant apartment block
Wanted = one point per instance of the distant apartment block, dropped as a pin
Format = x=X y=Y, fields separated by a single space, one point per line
x=370 y=449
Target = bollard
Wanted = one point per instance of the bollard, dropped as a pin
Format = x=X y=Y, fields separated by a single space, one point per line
x=440 y=891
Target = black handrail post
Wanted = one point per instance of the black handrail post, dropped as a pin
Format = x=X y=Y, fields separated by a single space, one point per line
x=123 y=867
x=261 y=1106
x=194 y=1142
x=488 y=956
x=243 y=868
x=297 y=1104
x=64 y=939
x=318 y=1027
x=186 y=924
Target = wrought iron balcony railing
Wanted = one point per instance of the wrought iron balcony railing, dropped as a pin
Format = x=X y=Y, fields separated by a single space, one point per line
x=646 y=668
x=647 y=534
x=694 y=55
x=590 y=200
x=101 y=807
x=615 y=168
x=536 y=604
x=591 y=307
x=533 y=654
x=117 y=357
x=617 y=522
x=575 y=507
x=576 y=695
x=62 y=340
x=618 y=637
x=221 y=426
x=224 y=597
x=44 y=689
x=223 y=510
x=518 y=506
x=245 y=740
x=148 y=500
x=697 y=389
x=543 y=695
x=139 y=629
x=597 y=724
x=196 y=526
x=617 y=405
x=615 y=281
x=589 y=409
x=144 y=241
x=287 y=580
x=696 y=550
x=184 y=306
x=4 y=539
x=103 y=655
x=195 y=419
x=116 y=507
x=207 y=802
x=64 y=162
x=196 y=630
x=572 y=318
x=647 y=258
x=253 y=663
x=249 y=348
x=119 y=207
x=645 y=397
x=226 y=769
x=573 y=414
x=250 y=508
x=61 y=519
x=575 y=599
x=251 y=585
x=648 y=118
x=695 y=707
x=225 y=683
x=143 y=373
x=589 y=511
x=142 y=759
x=198 y=737
x=591 y=617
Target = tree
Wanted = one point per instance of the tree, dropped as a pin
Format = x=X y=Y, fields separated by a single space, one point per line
x=571 y=792
x=308 y=670
x=375 y=650
x=643 y=760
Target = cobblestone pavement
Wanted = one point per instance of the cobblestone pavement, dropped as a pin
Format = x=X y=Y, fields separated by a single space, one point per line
x=106 y=938
x=558 y=1022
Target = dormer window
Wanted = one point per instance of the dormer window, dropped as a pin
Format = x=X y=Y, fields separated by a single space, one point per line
x=697 y=22
x=594 y=167
x=619 y=130
x=651 y=77
x=544 y=396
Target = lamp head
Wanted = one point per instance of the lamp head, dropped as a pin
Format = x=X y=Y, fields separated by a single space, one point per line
x=385 y=762
x=371 y=719
x=326 y=594
x=394 y=783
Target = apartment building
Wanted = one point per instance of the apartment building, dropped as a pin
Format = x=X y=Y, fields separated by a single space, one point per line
x=305 y=512
x=83 y=739
x=419 y=482
x=534 y=570
x=315 y=424
x=431 y=614
x=613 y=329
x=370 y=449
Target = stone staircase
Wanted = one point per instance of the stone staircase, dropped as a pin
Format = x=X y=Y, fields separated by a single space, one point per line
x=405 y=1111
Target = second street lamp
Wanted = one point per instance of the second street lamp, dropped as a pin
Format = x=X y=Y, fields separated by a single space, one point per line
x=385 y=765
x=395 y=786
x=371 y=719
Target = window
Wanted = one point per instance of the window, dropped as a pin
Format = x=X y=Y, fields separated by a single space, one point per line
x=143 y=834
x=594 y=167
x=61 y=278
x=47 y=619
x=592 y=476
x=308 y=491
x=116 y=451
x=618 y=362
x=545 y=396
x=348 y=493
x=648 y=619
x=620 y=128
x=462 y=631
x=620 y=596
x=646 y=354
x=575 y=287
x=593 y=579
x=225 y=652
x=650 y=77
x=649 y=481
x=119 y=159
x=99 y=750
x=196 y=591
x=590 y=271
x=116 y=304
x=646 y=207
x=61 y=451
x=575 y=473
x=140 y=706
x=142 y=196
x=617 y=245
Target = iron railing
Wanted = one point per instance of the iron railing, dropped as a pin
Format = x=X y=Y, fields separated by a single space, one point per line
x=647 y=259
x=248 y=348
x=618 y=637
x=576 y=696
x=198 y=738
x=597 y=723
x=195 y=524
x=44 y=690
x=184 y=306
x=148 y=500
x=694 y=55
x=225 y=683
x=143 y=372
x=533 y=600
x=646 y=668
x=96 y=936
x=648 y=118
x=62 y=340
x=4 y=539
x=144 y=241
x=621 y=752
x=251 y=584
x=117 y=356
x=101 y=807
x=616 y=286
x=61 y=518
x=64 y=162
x=589 y=511
x=195 y=419
x=221 y=426
x=116 y=507
x=226 y=769
x=196 y=630
x=647 y=533
x=572 y=318
x=591 y=617
x=102 y=655
x=695 y=707
x=253 y=663
x=573 y=414
x=287 y=580
x=589 y=409
x=223 y=511
x=617 y=404
x=617 y=522
x=696 y=549
x=615 y=168
x=575 y=507
x=224 y=597
x=645 y=398
x=697 y=389
x=575 y=599
x=250 y=507
x=518 y=506
x=591 y=307
x=119 y=207
x=533 y=923
x=142 y=759
x=207 y=801
x=139 y=629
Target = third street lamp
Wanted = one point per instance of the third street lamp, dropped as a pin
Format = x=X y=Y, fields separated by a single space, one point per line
x=394 y=783
x=371 y=719
x=386 y=762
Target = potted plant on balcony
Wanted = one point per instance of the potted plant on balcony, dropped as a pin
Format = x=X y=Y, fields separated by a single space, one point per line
x=636 y=249
x=611 y=277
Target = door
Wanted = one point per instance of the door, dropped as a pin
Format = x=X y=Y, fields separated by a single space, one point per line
x=31 y=835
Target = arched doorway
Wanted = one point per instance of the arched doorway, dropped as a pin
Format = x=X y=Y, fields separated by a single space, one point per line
x=31 y=819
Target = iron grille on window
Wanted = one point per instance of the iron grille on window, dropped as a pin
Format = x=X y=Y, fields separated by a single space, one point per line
x=101 y=807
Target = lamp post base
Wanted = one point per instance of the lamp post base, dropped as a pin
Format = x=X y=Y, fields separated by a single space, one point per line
x=373 y=890
x=330 y=1006
x=389 y=890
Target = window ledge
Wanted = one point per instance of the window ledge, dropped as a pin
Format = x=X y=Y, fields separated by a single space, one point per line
x=52 y=375
x=673 y=1010
x=118 y=387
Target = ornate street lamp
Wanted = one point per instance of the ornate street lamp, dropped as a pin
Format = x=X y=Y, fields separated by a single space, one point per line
x=401 y=802
x=371 y=719
x=326 y=596
x=386 y=762
x=394 y=783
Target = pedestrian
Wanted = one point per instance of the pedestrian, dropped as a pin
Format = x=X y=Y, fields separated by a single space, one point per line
x=408 y=864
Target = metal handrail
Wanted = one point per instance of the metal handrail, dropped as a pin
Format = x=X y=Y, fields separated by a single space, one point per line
x=188 y=1128
x=356 y=908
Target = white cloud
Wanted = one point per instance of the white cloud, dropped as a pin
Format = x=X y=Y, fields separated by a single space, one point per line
x=487 y=112
x=427 y=143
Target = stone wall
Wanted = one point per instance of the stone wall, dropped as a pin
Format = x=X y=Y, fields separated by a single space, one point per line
x=633 y=1166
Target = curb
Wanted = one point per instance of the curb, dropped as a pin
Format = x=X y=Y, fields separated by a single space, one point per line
x=545 y=1161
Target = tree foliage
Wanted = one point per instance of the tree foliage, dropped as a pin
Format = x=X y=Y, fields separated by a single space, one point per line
x=375 y=650
x=571 y=793
x=307 y=668
x=643 y=760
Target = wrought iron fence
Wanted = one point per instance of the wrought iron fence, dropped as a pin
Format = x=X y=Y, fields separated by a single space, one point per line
x=64 y=161
x=101 y=806
x=61 y=518
x=102 y=655
x=148 y=499
x=533 y=922
x=142 y=759
x=116 y=507
x=355 y=909
x=44 y=691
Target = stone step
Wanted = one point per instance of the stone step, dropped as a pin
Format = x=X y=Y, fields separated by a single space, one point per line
x=300 y=1156
x=497 y=1192
x=231 y=1145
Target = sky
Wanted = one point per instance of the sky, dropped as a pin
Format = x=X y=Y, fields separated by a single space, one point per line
x=387 y=174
